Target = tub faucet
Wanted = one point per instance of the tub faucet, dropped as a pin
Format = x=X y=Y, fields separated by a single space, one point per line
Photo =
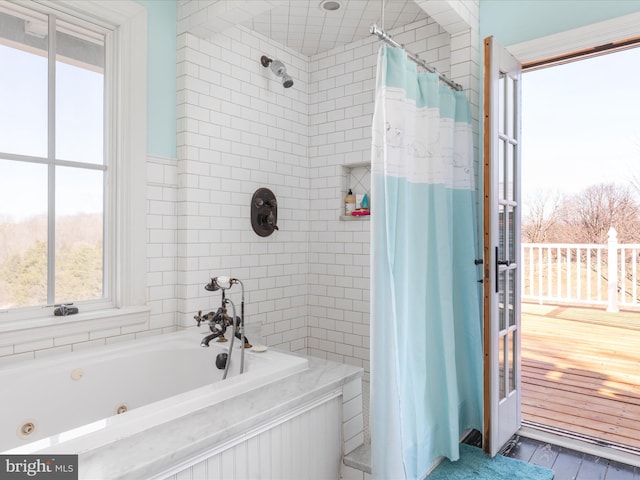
x=217 y=321
x=205 y=341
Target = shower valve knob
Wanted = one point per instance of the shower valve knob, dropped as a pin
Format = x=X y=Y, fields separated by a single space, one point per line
x=264 y=212
x=271 y=221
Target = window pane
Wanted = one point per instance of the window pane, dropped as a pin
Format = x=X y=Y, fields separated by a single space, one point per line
x=510 y=100
x=23 y=234
x=513 y=371
x=23 y=84
x=79 y=235
x=79 y=94
x=502 y=169
x=502 y=305
x=503 y=355
x=510 y=168
x=501 y=103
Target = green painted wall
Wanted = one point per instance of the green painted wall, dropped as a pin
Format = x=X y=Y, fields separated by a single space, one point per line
x=161 y=77
x=515 y=21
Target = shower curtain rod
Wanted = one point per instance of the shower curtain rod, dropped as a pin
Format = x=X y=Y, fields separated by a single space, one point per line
x=382 y=35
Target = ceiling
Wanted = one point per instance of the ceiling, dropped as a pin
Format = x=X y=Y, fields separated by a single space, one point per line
x=306 y=28
x=301 y=25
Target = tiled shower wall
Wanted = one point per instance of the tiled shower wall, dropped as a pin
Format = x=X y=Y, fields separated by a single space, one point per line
x=240 y=130
x=162 y=241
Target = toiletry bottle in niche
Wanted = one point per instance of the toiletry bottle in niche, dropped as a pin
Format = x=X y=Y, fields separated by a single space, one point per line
x=365 y=202
x=349 y=203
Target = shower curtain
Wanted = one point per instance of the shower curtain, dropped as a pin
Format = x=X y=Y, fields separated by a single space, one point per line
x=426 y=345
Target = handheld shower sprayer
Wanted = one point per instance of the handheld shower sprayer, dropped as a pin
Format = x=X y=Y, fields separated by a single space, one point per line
x=278 y=69
x=219 y=283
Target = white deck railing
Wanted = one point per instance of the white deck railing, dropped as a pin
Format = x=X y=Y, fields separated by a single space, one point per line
x=582 y=273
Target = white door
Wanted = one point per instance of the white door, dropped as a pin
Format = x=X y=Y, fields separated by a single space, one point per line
x=501 y=246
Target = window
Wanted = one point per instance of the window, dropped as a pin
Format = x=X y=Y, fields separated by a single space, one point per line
x=71 y=158
x=53 y=168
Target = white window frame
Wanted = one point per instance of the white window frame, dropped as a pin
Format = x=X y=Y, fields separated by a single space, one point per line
x=127 y=161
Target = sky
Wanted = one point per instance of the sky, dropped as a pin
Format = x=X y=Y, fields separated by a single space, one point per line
x=581 y=123
x=23 y=127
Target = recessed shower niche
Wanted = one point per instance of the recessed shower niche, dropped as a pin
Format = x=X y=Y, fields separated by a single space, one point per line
x=357 y=177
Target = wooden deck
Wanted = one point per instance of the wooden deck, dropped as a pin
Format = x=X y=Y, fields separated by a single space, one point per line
x=581 y=371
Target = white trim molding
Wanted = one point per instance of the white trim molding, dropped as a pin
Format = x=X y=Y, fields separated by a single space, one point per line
x=454 y=16
x=601 y=33
x=108 y=13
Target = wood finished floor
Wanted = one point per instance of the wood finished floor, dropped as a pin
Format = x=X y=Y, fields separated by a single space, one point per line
x=569 y=464
x=581 y=371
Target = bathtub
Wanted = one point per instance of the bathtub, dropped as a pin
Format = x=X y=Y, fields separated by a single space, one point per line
x=89 y=399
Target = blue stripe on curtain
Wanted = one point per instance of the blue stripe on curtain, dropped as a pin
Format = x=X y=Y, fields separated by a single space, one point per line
x=426 y=346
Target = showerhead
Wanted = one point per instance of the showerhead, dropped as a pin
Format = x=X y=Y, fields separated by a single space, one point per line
x=287 y=81
x=278 y=69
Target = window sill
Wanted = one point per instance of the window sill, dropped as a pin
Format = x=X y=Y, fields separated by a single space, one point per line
x=19 y=331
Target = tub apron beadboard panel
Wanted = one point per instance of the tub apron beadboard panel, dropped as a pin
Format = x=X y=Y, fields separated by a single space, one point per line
x=304 y=444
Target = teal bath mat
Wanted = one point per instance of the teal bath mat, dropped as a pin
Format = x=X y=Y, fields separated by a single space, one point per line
x=474 y=464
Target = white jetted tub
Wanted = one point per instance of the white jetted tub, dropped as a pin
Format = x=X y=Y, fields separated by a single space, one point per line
x=113 y=392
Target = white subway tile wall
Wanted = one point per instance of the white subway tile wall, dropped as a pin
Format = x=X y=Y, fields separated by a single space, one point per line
x=240 y=130
x=162 y=243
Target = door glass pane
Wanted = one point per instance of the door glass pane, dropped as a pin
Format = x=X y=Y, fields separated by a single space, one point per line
x=514 y=116
x=509 y=104
x=510 y=168
x=501 y=232
x=512 y=356
x=23 y=234
x=79 y=94
x=512 y=296
x=23 y=86
x=511 y=253
x=502 y=315
x=502 y=360
x=501 y=109
x=502 y=171
x=79 y=234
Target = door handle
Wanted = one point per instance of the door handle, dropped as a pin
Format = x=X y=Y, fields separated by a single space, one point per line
x=498 y=263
